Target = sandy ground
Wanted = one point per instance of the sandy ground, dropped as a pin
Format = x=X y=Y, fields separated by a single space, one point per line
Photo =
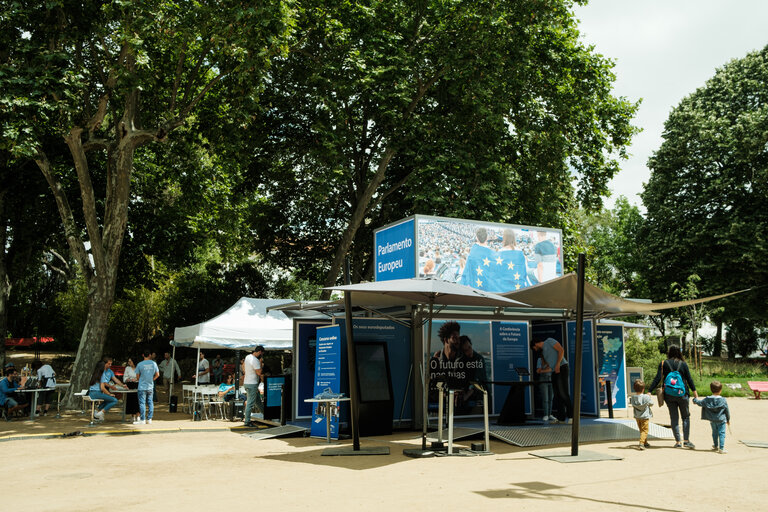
x=185 y=465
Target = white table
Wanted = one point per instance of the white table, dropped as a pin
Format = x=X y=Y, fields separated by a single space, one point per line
x=327 y=402
x=33 y=406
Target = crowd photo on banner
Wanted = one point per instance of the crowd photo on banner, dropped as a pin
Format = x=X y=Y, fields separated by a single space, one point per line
x=492 y=257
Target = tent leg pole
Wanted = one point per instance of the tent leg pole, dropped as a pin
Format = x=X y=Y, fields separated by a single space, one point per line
x=173 y=374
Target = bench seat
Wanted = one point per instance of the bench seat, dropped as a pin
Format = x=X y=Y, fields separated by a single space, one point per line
x=757 y=387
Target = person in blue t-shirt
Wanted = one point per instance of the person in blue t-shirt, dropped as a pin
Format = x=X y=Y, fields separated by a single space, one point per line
x=99 y=390
x=147 y=372
x=8 y=385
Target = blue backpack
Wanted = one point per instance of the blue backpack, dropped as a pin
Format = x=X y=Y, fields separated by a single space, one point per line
x=673 y=383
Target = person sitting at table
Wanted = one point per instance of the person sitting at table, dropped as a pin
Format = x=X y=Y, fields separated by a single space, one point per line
x=131 y=399
x=113 y=382
x=99 y=390
x=47 y=379
x=227 y=390
x=10 y=383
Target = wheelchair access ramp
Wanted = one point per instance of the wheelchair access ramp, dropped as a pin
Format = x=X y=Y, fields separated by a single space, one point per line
x=278 y=431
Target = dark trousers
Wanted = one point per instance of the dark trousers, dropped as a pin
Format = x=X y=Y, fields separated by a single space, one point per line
x=560 y=384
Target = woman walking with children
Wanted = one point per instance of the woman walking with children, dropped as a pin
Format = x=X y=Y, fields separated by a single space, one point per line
x=674 y=375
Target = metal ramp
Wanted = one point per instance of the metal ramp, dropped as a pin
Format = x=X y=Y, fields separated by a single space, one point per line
x=458 y=433
x=589 y=432
x=281 y=431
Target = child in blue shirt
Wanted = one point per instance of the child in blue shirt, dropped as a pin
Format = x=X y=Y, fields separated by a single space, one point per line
x=715 y=410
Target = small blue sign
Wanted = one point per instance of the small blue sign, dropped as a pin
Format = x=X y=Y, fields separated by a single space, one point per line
x=273 y=395
x=327 y=380
x=395 y=252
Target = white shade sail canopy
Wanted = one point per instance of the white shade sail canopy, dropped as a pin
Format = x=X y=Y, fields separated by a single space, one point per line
x=241 y=327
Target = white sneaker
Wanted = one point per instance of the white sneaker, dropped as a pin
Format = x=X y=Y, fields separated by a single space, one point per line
x=149 y=421
x=99 y=415
x=722 y=450
x=568 y=421
x=137 y=422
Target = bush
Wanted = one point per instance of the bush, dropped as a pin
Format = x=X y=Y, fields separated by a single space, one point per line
x=644 y=354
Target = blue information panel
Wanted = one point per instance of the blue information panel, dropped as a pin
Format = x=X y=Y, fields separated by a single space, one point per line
x=304 y=366
x=510 y=351
x=610 y=361
x=327 y=378
x=273 y=394
x=395 y=252
x=398 y=340
x=588 y=375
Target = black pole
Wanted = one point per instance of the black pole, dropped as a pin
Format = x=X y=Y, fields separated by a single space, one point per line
x=578 y=359
x=609 y=398
x=237 y=389
x=352 y=370
x=425 y=346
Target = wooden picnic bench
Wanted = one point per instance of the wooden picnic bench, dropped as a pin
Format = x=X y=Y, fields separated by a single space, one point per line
x=757 y=387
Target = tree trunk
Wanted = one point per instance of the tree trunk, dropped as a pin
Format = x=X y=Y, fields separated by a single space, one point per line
x=358 y=215
x=5 y=283
x=5 y=292
x=717 y=348
x=91 y=345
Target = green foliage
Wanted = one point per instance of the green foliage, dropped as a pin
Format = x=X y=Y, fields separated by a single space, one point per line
x=73 y=303
x=482 y=110
x=642 y=353
x=615 y=253
x=707 y=198
x=741 y=338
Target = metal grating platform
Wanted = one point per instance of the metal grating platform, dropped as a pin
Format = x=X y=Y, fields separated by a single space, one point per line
x=269 y=433
x=593 y=431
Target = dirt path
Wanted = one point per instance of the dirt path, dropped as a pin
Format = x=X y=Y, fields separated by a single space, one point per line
x=205 y=466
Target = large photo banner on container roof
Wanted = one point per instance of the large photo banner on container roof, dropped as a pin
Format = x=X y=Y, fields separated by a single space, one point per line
x=491 y=257
x=327 y=379
x=487 y=256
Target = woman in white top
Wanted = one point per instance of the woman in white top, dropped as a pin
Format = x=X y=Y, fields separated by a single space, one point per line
x=132 y=381
x=47 y=379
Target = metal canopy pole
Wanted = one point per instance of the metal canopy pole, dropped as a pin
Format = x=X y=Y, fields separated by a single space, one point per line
x=425 y=379
x=352 y=370
x=578 y=359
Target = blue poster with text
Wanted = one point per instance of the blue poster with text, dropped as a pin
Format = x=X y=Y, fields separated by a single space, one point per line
x=395 y=252
x=510 y=351
x=610 y=362
x=588 y=375
x=327 y=379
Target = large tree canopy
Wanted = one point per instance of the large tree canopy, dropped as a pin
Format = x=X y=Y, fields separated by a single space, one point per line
x=108 y=78
x=482 y=109
x=707 y=198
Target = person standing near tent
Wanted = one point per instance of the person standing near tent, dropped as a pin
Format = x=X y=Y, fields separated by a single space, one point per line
x=168 y=367
x=251 y=376
x=554 y=355
x=148 y=372
x=203 y=370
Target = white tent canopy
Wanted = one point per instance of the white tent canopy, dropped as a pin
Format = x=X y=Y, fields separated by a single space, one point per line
x=243 y=326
